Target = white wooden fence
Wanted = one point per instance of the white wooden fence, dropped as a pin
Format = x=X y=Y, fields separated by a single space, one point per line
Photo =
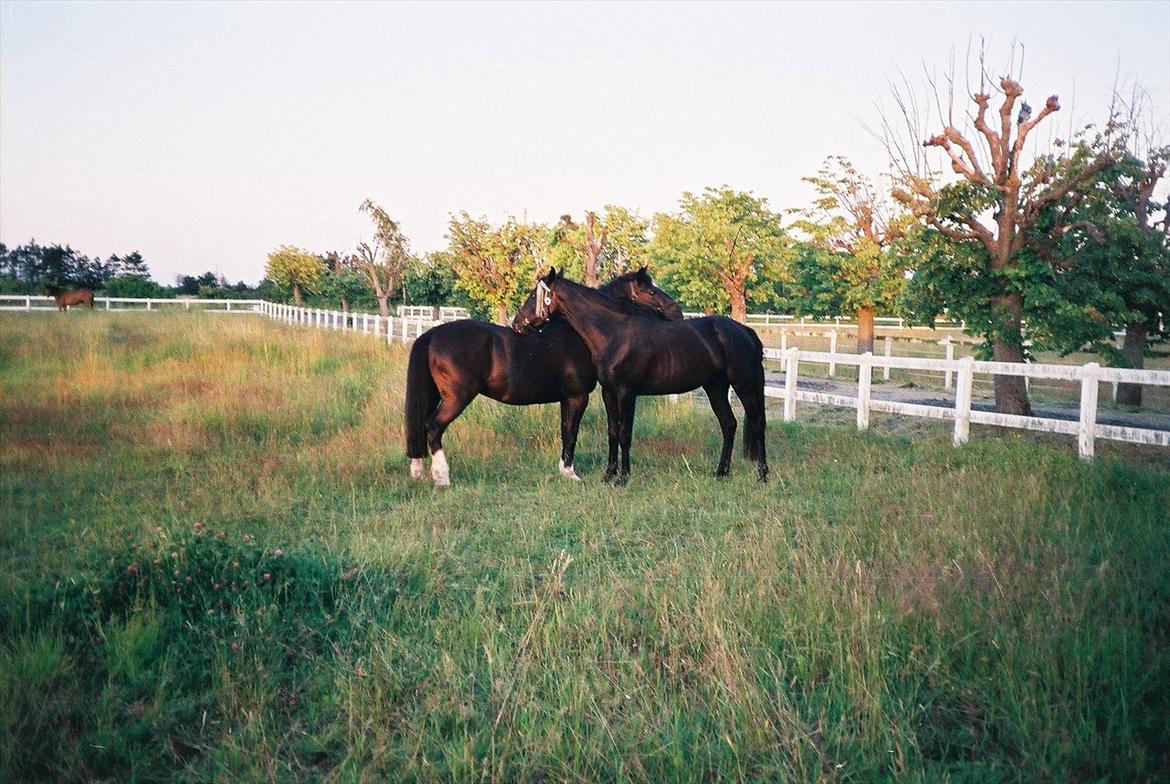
x=1086 y=428
x=35 y=302
x=395 y=328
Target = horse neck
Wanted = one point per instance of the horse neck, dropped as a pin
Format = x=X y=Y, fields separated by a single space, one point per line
x=591 y=315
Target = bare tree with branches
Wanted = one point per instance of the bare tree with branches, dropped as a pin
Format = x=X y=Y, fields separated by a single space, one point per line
x=383 y=264
x=999 y=197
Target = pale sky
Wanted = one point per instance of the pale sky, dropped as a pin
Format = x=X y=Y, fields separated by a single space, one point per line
x=206 y=134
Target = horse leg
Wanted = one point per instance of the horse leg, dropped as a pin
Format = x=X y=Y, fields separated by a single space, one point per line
x=613 y=421
x=628 y=402
x=449 y=408
x=572 y=409
x=754 y=423
x=717 y=394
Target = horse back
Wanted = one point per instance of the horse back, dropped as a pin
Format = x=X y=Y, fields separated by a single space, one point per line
x=474 y=357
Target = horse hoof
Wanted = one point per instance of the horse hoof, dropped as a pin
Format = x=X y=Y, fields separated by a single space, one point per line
x=568 y=472
x=440 y=471
x=416 y=468
x=622 y=480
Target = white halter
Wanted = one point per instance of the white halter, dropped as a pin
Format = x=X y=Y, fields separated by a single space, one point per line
x=543 y=299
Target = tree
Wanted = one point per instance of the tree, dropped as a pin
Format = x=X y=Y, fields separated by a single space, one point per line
x=857 y=225
x=996 y=204
x=292 y=268
x=495 y=266
x=717 y=246
x=1113 y=265
x=601 y=248
x=135 y=286
x=191 y=285
x=384 y=263
x=431 y=280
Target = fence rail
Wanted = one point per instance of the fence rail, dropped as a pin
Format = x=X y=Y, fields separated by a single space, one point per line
x=1085 y=427
x=37 y=302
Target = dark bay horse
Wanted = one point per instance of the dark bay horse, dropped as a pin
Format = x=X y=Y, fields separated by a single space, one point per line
x=67 y=297
x=637 y=355
x=452 y=363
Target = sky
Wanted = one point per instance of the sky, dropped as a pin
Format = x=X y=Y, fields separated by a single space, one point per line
x=206 y=134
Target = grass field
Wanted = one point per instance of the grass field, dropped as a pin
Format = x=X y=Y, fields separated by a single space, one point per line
x=215 y=566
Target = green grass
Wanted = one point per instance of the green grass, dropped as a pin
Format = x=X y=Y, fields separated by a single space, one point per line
x=888 y=607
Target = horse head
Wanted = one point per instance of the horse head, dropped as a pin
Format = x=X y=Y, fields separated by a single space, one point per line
x=542 y=304
x=638 y=287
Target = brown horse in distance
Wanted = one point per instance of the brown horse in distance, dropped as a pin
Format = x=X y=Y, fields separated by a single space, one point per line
x=67 y=297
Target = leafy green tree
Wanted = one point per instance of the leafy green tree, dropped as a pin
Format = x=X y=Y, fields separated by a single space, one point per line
x=385 y=262
x=718 y=247
x=856 y=225
x=192 y=284
x=995 y=204
x=601 y=247
x=495 y=265
x=135 y=286
x=1112 y=266
x=431 y=280
x=297 y=270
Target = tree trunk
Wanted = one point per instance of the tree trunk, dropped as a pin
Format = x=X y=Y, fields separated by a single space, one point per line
x=344 y=304
x=592 y=250
x=434 y=312
x=297 y=295
x=1011 y=392
x=738 y=304
x=1134 y=350
x=384 y=306
x=502 y=314
x=865 y=330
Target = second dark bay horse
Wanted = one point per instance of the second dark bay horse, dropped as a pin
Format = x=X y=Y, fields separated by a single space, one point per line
x=635 y=355
x=453 y=363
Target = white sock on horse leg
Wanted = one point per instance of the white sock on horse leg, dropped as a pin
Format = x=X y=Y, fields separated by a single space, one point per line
x=439 y=469
x=416 y=468
x=568 y=472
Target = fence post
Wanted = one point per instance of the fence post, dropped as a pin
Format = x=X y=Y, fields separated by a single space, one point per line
x=148 y=304
x=790 y=370
x=889 y=352
x=229 y=305
x=963 y=400
x=107 y=304
x=948 y=377
x=28 y=304
x=1088 y=424
x=832 y=350
x=864 y=378
x=378 y=325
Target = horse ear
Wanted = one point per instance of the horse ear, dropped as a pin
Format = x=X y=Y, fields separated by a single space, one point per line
x=644 y=275
x=552 y=274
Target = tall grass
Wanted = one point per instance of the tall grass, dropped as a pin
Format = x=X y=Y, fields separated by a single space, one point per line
x=216 y=566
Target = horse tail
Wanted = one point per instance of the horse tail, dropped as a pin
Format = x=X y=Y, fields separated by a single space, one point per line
x=754 y=420
x=422 y=396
